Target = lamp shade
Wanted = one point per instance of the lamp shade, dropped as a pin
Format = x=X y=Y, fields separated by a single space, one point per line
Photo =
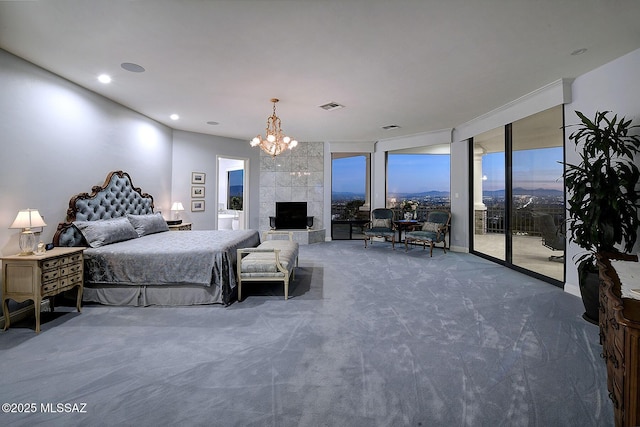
x=28 y=218
x=177 y=206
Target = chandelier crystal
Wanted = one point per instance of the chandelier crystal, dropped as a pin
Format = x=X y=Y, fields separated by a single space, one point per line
x=275 y=141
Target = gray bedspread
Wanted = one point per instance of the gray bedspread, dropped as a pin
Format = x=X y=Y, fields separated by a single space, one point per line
x=204 y=258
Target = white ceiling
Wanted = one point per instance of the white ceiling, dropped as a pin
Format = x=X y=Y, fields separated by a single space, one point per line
x=419 y=64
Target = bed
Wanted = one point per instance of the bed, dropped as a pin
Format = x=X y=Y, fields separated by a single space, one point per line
x=133 y=259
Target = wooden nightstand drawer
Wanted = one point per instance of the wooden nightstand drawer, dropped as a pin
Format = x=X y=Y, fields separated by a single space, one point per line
x=49 y=264
x=49 y=286
x=70 y=259
x=70 y=280
x=74 y=268
x=50 y=275
x=185 y=226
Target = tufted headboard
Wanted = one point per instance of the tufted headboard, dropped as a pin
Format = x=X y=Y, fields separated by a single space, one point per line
x=115 y=198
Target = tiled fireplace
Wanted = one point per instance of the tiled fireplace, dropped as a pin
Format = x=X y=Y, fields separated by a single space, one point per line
x=295 y=176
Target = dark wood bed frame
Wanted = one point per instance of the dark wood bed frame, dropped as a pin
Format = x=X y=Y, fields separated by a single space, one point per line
x=67 y=235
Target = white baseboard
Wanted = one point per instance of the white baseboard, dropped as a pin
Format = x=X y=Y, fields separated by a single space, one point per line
x=572 y=289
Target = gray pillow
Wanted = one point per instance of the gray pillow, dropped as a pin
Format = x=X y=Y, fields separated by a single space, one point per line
x=106 y=231
x=431 y=226
x=148 y=224
x=381 y=223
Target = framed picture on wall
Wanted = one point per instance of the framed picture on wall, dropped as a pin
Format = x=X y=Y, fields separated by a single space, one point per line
x=198 y=177
x=197 y=192
x=197 y=206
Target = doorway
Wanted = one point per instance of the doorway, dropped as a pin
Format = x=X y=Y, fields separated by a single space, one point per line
x=232 y=193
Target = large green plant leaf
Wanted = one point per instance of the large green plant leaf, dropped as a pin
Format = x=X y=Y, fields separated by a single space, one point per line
x=603 y=202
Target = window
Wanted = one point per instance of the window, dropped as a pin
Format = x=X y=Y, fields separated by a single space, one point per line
x=235 y=180
x=422 y=177
x=350 y=184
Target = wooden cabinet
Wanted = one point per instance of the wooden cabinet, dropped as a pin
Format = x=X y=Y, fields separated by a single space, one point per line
x=180 y=227
x=620 y=339
x=35 y=277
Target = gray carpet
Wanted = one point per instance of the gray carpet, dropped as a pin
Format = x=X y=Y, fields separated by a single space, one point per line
x=370 y=337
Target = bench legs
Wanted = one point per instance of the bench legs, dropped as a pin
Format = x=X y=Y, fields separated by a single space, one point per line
x=285 y=280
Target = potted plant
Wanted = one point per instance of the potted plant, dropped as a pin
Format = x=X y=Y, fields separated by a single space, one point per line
x=603 y=196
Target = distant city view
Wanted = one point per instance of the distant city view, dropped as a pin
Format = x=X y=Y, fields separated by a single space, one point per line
x=424 y=179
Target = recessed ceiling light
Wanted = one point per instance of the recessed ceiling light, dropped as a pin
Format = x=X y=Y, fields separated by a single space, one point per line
x=104 y=78
x=174 y=117
x=578 y=52
x=390 y=127
x=330 y=106
x=212 y=123
x=134 y=68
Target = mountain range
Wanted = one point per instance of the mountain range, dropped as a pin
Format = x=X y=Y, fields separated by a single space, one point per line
x=518 y=191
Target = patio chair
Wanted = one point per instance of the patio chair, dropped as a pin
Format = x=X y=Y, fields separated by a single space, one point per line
x=381 y=225
x=553 y=236
x=433 y=230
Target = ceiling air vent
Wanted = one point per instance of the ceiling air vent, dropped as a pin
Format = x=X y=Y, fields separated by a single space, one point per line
x=331 y=106
x=390 y=127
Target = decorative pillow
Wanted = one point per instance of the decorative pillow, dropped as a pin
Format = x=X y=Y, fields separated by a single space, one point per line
x=431 y=226
x=148 y=224
x=381 y=223
x=106 y=231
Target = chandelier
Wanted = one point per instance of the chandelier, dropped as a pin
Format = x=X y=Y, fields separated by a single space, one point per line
x=275 y=141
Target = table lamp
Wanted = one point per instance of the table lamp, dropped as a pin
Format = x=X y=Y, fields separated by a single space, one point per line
x=26 y=219
x=176 y=208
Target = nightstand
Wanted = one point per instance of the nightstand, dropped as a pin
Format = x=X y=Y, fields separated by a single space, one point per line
x=35 y=277
x=180 y=227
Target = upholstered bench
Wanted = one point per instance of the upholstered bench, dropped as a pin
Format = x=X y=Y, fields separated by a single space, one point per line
x=273 y=260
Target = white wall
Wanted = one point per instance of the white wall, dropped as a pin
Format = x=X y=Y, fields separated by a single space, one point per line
x=59 y=139
x=460 y=193
x=613 y=87
x=195 y=152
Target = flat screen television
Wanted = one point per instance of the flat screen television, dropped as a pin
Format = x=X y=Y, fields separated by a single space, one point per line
x=291 y=215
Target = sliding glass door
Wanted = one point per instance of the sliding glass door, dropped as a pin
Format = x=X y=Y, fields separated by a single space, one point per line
x=518 y=195
x=537 y=194
x=489 y=195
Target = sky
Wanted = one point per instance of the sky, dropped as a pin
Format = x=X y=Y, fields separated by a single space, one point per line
x=236 y=177
x=407 y=173
x=414 y=173
x=531 y=169
x=348 y=175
